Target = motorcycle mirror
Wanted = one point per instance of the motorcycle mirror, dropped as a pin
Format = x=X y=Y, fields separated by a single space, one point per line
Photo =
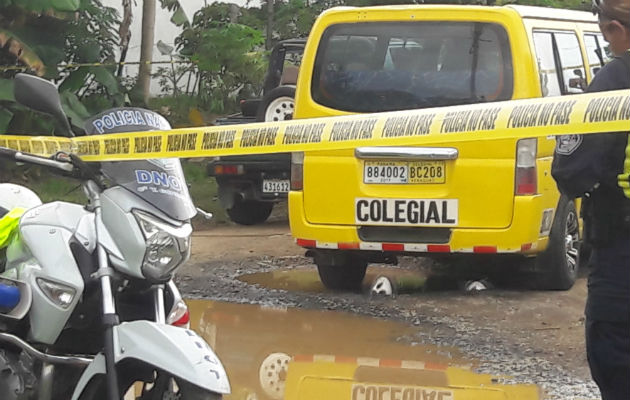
x=40 y=95
x=205 y=214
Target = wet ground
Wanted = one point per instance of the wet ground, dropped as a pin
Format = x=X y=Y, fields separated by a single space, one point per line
x=306 y=280
x=278 y=309
x=260 y=346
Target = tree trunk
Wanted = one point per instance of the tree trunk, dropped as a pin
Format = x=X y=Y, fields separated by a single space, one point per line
x=146 y=48
x=124 y=33
x=268 y=42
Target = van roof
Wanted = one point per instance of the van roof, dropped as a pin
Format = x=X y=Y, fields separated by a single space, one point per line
x=523 y=11
x=548 y=13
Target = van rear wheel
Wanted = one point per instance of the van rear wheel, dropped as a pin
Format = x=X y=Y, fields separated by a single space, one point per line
x=347 y=276
x=557 y=267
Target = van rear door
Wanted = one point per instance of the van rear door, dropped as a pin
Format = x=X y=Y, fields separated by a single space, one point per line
x=384 y=66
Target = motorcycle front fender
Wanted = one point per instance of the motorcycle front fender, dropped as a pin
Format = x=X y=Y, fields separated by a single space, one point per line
x=177 y=351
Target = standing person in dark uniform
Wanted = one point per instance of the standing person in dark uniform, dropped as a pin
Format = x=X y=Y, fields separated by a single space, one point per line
x=591 y=167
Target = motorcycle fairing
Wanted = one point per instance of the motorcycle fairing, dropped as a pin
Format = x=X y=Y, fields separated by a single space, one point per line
x=160 y=182
x=177 y=351
x=44 y=252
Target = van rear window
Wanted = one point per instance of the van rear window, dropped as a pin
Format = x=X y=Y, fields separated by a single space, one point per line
x=386 y=66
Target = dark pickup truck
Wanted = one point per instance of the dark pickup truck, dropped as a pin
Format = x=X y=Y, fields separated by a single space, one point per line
x=250 y=185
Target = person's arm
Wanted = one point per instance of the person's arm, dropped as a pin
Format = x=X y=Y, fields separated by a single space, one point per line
x=582 y=161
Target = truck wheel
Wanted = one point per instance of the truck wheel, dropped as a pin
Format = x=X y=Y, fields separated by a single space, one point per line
x=348 y=276
x=557 y=267
x=250 y=212
x=277 y=105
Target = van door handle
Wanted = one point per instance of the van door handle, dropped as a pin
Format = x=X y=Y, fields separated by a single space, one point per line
x=407 y=153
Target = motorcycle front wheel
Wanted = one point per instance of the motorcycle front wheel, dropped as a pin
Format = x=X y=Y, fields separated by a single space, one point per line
x=167 y=387
x=161 y=386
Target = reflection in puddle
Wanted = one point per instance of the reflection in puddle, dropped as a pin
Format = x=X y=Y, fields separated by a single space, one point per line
x=295 y=354
x=307 y=279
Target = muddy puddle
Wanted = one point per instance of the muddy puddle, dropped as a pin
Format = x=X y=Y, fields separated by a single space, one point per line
x=306 y=279
x=296 y=354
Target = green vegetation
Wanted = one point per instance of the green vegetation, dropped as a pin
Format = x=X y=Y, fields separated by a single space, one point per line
x=203 y=190
x=48 y=38
x=54 y=188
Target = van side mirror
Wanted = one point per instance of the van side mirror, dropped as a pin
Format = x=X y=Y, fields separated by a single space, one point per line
x=40 y=95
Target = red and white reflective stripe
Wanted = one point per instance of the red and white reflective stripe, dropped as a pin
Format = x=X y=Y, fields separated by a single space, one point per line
x=371 y=362
x=409 y=247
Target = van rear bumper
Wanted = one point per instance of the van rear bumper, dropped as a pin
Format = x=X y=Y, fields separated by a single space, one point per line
x=523 y=236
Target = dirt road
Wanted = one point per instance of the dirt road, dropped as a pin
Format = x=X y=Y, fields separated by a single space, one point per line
x=533 y=336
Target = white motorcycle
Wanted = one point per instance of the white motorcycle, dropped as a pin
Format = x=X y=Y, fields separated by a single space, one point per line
x=94 y=303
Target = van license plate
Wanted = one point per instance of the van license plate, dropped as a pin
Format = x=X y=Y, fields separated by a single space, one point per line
x=404 y=172
x=276 y=185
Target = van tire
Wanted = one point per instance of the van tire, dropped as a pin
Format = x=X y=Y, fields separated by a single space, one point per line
x=557 y=267
x=250 y=212
x=348 y=276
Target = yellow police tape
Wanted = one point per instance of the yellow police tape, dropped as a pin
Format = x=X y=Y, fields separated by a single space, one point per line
x=540 y=117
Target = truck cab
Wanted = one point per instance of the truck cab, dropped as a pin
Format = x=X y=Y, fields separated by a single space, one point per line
x=250 y=185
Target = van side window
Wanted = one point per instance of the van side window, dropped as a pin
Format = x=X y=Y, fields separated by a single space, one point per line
x=560 y=63
x=549 y=82
x=571 y=62
x=596 y=52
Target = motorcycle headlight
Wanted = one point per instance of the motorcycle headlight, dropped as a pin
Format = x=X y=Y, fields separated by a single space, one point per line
x=60 y=294
x=167 y=246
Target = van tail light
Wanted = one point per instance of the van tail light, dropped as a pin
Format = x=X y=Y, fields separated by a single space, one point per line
x=297 y=170
x=179 y=315
x=526 y=181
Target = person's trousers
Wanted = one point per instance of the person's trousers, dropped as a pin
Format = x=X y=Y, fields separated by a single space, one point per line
x=608 y=353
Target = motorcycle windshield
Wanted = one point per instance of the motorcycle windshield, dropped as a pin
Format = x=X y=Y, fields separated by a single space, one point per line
x=160 y=182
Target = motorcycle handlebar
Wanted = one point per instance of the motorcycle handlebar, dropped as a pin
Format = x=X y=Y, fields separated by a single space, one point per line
x=37 y=160
x=7 y=153
x=73 y=166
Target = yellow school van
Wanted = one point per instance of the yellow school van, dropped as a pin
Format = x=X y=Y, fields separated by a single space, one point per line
x=369 y=204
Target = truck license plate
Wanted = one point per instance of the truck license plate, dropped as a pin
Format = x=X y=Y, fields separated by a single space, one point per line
x=276 y=185
x=404 y=172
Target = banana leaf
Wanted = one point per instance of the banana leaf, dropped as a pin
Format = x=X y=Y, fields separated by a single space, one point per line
x=5 y=119
x=74 y=109
x=105 y=78
x=66 y=5
x=6 y=90
x=75 y=80
x=22 y=51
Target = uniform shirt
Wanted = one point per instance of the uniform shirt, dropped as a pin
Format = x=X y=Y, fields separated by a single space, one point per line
x=590 y=164
x=582 y=161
